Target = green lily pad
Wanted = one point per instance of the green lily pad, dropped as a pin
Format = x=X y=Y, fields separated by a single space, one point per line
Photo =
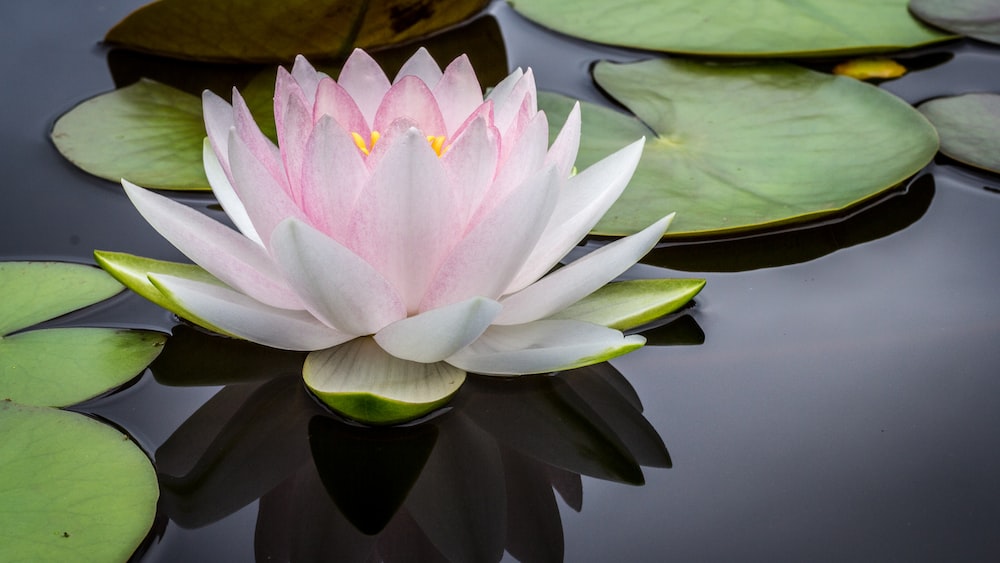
x=73 y=489
x=148 y=133
x=264 y=31
x=742 y=28
x=62 y=366
x=362 y=382
x=628 y=304
x=969 y=126
x=734 y=148
x=979 y=19
x=38 y=291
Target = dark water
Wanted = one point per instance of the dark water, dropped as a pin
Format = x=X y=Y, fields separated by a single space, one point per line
x=834 y=394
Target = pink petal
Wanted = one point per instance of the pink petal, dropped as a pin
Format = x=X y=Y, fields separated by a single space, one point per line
x=333 y=175
x=471 y=162
x=247 y=130
x=285 y=89
x=580 y=278
x=241 y=316
x=336 y=285
x=436 y=334
x=489 y=255
x=307 y=77
x=526 y=158
x=509 y=102
x=364 y=80
x=293 y=135
x=583 y=201
x=422 y=65
x=458 y=93
x=221 y=251
x=333 y=100
x=410 y=98
x=407 y=219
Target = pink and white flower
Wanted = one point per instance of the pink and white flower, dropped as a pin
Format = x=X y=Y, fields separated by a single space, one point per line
x=415 y=220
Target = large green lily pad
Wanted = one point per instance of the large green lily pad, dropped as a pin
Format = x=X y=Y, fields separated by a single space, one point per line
x=975 y=18
x=72 y=489
x=969 y=126
x=734 y=148
x=148 y=133
x=267 y=31
x=62 y=366
x=737 y=27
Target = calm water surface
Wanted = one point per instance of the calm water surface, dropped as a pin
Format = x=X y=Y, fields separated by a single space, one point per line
x=833 y=394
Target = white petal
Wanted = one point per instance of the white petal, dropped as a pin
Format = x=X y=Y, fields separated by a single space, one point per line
x=583 y=201
x=564 y=148
x=471 y=163
x=218 y=121
x=221 y=251
x=580 y=278
x=422 y=65
x=365 y=81
x=542 y=347
x=337 y=286
x=223 y=191
x=436 y=334
x=458 y=93
x=247 y=318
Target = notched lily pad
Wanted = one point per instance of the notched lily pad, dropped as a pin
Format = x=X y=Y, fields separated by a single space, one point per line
x=264 y=31
x=148 y=133
x=969 y=126
x=723 y=27
x=73 y=489
x=735 y=148
x=979 y=19
x=62 y=366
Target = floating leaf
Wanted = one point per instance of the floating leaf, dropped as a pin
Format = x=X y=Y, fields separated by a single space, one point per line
x=149 y=133
x=969 y=126
x=741 y=147
x=38 y=291
x=979 y=19
x=62 y=366
x=628 y=304
x=867 y=69
x=264 y=31
x=73 y=489
x=742 y=28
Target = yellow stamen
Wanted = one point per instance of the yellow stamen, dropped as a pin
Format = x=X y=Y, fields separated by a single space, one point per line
x=436 y=141
x=359 y=140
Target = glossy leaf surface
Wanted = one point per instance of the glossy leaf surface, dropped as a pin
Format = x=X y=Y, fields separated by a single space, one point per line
x=969 y=126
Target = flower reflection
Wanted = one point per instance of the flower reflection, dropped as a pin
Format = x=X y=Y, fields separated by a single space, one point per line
x=478 y=480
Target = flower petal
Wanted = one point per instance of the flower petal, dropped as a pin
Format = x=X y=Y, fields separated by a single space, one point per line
x=223 y=191
x=580 y=278
x=436 y=334
x=525 y=158
x=364 y=80
x=296 y=126
x=333 y=175
x=422 y=65
x=542 y=347
x=247 y=318
x=410 y=98
x=583 y=201
x=360 y=380
x=262 y=148
x=480 y=266
x=407 y=220
x=218 y=121
x=458 y=92
x=308 y=78
x=564 y=148
x=508 y=103
x=471 y=162
x=221 y=251
x=337 y=285
x=333 y=100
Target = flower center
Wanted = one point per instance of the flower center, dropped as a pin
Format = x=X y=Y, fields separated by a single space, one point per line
x=436 y=142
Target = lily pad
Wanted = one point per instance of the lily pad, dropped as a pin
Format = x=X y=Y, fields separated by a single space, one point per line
x=628 y=304
x=736 y=148
x=73 y=489
x=62 y=366
x=361 y=381
x=969 y=126
x=979 y=19
x=741 y=28
x=149 y=133
x=264 y=31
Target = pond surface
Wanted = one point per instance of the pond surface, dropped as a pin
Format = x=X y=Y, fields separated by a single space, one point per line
x=833 y=394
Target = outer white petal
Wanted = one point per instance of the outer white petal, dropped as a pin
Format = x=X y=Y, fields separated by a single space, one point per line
x=221 y=251
x=436 y=334
x=335 y=284
x=223 y=191
x=580 y=278
x=364 y=80
x=422 y=65
x=564 y=148
x=542 y=347
x=218 y=121
x=247 y=318
x=583 y=201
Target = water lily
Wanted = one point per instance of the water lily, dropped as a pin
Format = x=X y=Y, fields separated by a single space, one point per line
x=402 y=232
